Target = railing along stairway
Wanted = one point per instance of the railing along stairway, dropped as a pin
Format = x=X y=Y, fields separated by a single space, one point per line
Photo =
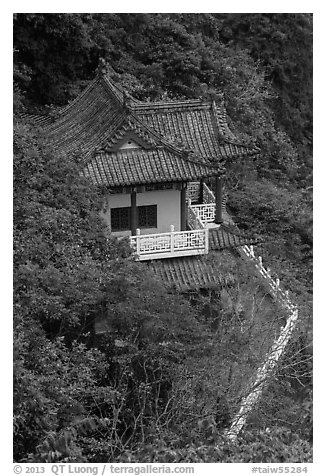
x=205 y=212
x=276 y=351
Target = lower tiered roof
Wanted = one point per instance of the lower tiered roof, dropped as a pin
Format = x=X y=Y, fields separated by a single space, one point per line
x=142 y=166
x=201 y=272
x=191 y=273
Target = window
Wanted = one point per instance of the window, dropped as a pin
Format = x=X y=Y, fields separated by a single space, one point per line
x=147 y=216
x=121 y=217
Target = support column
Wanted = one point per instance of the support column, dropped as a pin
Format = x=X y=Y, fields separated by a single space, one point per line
x=183 y=207
x=133 y=213
x=218 y=201
x=201 y=191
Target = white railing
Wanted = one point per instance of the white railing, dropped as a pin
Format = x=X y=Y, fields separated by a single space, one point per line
x=193 y=191
x=193 y=220
x=276 y=351
x=281 y=296
x=208 y=195
x=262 y=376
x=170 y=245
x=205 y=212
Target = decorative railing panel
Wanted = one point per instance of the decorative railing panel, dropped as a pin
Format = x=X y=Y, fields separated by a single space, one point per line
x=169 y=245
x=193 y=220
x=205 y=212
x=208 y=195
x=193 y=191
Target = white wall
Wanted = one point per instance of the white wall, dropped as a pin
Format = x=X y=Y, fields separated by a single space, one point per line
x=168 y=209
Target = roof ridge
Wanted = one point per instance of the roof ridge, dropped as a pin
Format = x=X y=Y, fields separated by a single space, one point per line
x=97 y=80
x=175 y=104
x=50 y=118
x=117 y=86
x=97 y=148
x=128 y=124
x=111 y=88
x=77 y=98
x=220 y=115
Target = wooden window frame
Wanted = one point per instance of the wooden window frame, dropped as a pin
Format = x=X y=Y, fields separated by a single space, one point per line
x=148 y=209
x=119 y=210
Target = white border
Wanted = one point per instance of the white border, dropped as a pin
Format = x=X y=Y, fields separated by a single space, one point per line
x=319 y=207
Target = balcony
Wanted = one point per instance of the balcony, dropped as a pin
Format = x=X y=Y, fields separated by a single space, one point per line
x=173 y=244
x=170 y=245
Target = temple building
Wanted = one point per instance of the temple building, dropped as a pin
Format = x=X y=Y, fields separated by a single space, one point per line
x=160 y=166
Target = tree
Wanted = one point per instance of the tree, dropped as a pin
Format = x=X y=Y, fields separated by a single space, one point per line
x=283 y=43
x=54 y=55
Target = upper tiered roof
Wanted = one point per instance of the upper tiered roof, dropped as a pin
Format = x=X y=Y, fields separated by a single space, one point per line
x=198 y=125
x=173 y=141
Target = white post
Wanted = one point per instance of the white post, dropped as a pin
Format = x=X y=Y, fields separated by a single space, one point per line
x=172 y=239
x=206 y=240
x=252 y=251
x=260 y=261
x=138 y=241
